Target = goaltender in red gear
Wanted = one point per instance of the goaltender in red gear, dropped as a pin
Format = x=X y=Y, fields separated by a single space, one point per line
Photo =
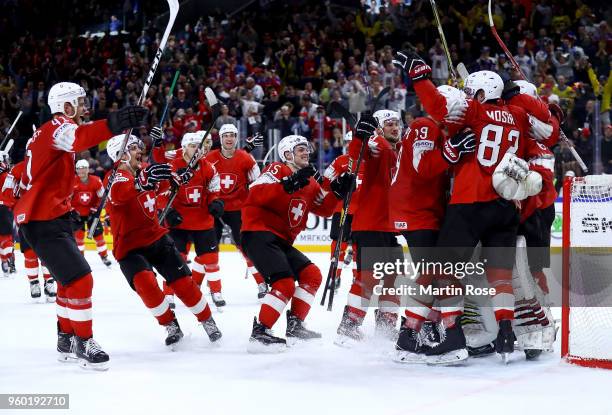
x=43 y=211
x=273 y=215
x=140 y=243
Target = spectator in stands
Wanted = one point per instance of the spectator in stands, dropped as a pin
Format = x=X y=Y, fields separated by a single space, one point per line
x=606 y=150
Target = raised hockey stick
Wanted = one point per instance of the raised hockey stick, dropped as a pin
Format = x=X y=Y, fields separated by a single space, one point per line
x=215 y=107
x=330 y=282
x=339 y=109
x=462 y=71
x=174 y=8
x=451 y=68
x=8 y=133
x=516 y=66
x=168 y=101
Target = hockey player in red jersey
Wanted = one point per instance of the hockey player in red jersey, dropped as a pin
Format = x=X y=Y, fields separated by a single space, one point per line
x=371 y=228
x=88 y=190
x=274 y=213
x=486 y=185
x=191 y=217
x=347 y=248
x=43 y=211
x=6 y=220
x=31 y=263
x=140 y=243
x=237 y=169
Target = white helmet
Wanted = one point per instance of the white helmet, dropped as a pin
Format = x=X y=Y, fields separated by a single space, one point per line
x=192 y=138
x=289 y=143
x=451 y=94
x=113 y=146
x=385 y=115
x=63 y=92
x=228 y=128
x=488 y=81
x=82 y=164
x=527 y=88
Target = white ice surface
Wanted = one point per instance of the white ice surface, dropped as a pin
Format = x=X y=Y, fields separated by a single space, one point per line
x=318 y=378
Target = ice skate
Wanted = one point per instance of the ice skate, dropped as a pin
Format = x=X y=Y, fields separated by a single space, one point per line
x=297 y=331
x=90 y=355
x=211 y=329
x=262 y=340
x=349 y=331
x=35 y=289
x=452 y=348
x=174 y=333
x=504 y=343
x=66 y=347
x=262 y=290
x=50 y=290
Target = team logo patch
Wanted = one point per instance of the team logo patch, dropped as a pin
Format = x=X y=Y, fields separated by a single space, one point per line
x=297 y=211
x=194 y=194
x=228 y=182
x=147 y=203
x=85 y=198
x=401 y=225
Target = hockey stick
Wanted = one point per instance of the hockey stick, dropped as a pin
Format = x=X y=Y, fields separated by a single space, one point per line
x=462 y=71
x=339 y=109
x=174 y=8
x=330 y=282
x=168 y=100
x=516 y=66
x=8 y=133
x=215 y=107
x=268 y=154
x=451 y=68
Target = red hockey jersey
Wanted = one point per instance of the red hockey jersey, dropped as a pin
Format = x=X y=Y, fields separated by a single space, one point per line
x=193 y=198
x=269 y=208
x=6 y=199
x=86 y=196
x=335 y=169
x=133 y=215
x=498 y=129
x=545 y=165
x=235 y=175
x=10 y=181
x=379 y=164
x=49 y=177
x=161 y=155
x=422 y=179
x=539 y=110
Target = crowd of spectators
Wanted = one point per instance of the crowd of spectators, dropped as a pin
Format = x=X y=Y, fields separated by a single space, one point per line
x=277 y=68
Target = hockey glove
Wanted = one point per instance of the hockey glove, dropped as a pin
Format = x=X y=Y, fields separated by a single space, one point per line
x=157 y=136
x=342 y=185
x=366 y=126
x=4 y=167
x=77 y=222
x=298 y=180
x=557 y=112
x=216 y=208
x=253 y=142
x=131 y=116
x=510 y=90
x=412 y=64
x=173 y=218
x=182 y=176
x=459 y=144
x=147 y=178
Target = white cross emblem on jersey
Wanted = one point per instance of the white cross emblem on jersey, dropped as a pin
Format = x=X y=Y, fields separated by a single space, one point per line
x=195 y=196
x=227 y=182
x=297 y=211
x=149 y=204
x=85 y=197
x=358 y=182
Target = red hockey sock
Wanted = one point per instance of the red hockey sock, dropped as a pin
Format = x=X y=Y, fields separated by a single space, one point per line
x=46 y=273
x=189 y=293
x=80 y=240
x=503 y=301
x=146 y=286
x=309 y=282
x=356 y=299
x=198 y=270
x=61 y=308
x=6 y=246
x=30 y=262
x=275 y=301
x=540 y=278
x=166 y=289
x=213 y=275
x=101 y=245
x=78 y=299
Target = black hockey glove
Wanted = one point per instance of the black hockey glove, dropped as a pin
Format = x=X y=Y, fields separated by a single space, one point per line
x=173 y=218
x=461 y=143
x=157 y=136
x=147 y=178
x=510 y=90
x=342 y=185
x=299 y=179
x=216 y=208
x=131 y=116
x=253 y=142
x=182 y=176
x=366 y=126
x=77 y=222
x=412 y=64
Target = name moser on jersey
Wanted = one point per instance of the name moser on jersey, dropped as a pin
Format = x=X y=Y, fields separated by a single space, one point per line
x=487 y=184
x=274 y=213
x=140 y=243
